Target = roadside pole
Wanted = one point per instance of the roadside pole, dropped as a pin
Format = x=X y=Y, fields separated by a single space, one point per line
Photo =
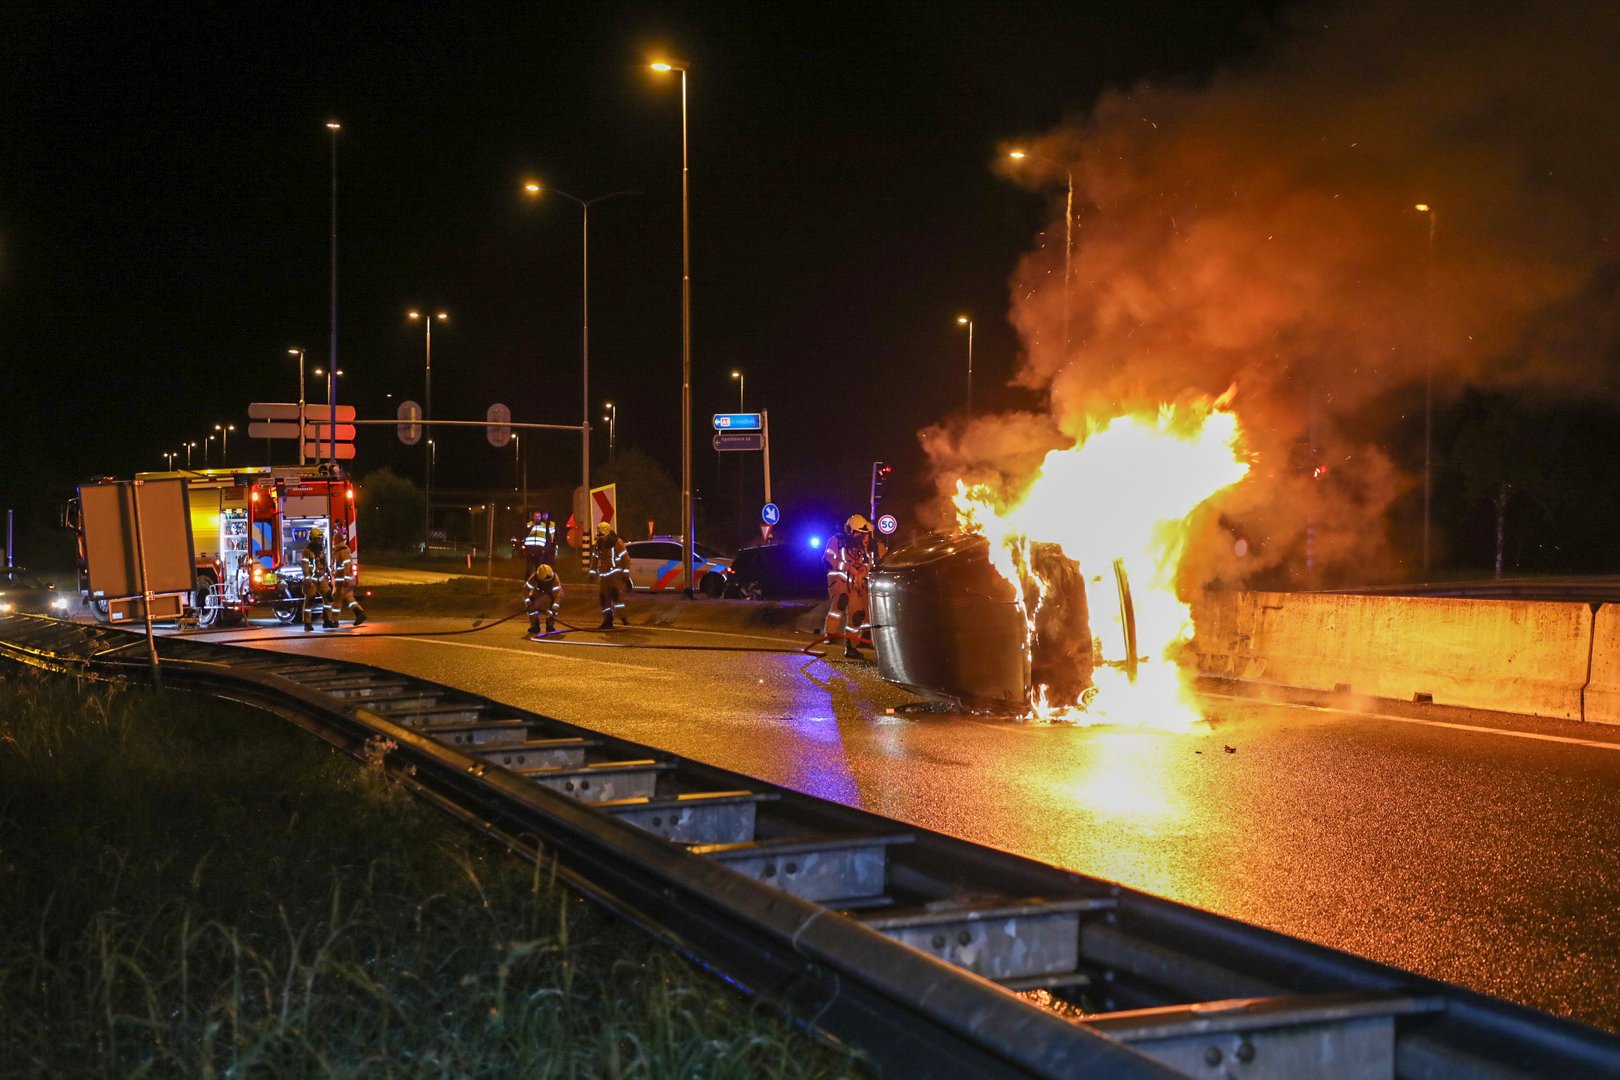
x=146 y=586
x=489 y=557
x=765 y=426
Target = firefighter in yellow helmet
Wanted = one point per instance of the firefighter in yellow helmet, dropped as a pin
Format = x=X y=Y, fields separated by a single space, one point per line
x=848 y=554
x=344 y=571
x=610 y=564
x=542 y=592
x=312 y=563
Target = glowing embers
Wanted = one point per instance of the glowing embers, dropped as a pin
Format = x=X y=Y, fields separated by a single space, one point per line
x=1118 y=504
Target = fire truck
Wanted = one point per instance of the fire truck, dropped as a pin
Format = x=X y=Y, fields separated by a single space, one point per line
x=250 y=528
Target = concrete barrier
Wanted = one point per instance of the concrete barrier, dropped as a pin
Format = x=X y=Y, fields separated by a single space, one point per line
x=1603 y=688
x=1508 y=655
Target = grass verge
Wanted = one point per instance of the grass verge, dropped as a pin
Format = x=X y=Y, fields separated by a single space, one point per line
x=191 y=888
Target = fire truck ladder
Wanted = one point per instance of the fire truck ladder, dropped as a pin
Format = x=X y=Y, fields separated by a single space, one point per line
x=932 y=956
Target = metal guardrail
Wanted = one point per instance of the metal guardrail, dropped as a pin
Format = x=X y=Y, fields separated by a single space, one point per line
x=917 y=948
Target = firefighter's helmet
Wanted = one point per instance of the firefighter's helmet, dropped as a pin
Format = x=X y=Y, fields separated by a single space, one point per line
x=603 y=529
x=544 y=572
x=857 y=524
x=317 y=539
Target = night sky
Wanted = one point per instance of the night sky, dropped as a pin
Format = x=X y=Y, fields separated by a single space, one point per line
x=164 y=202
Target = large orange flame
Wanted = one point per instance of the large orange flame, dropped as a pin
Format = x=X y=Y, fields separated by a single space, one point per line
x=1123 y=494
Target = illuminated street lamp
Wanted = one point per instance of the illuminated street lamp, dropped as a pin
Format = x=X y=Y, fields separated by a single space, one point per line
x=1068 y=236
x=689 y=539
x=963 y=320
x=225 y=442
x=535 y=189
x=427 y=416
x=208 y=442
x=740 y=380
x=190 y=446
x=1428 y=377
x=612 y=420
x=300 y=354
x=170 y=455
x=331 y=387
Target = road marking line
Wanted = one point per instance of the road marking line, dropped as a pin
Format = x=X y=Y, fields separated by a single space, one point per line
x=524 y=652
x=1594 y=743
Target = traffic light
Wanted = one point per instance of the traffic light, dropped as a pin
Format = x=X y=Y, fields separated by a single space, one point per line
x=880 y=476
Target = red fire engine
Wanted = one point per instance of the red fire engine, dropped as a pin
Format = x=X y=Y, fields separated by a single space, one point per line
x=250 y=528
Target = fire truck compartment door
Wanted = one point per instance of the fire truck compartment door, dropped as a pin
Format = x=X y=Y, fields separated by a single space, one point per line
x=307 y=506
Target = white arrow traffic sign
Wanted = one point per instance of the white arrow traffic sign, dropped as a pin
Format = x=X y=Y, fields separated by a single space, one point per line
x=323 y=432
x=288 y=410
x=269 y=430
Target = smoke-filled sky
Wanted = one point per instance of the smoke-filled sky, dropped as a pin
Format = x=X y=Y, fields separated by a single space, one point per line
x=1259 y=230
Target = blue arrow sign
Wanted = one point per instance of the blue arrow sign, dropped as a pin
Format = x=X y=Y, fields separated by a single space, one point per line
x=770 y=514
x=737 y=421
x=739 y=440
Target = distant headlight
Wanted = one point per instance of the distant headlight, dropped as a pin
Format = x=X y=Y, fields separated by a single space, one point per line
x=5 y=605
x=60 y=603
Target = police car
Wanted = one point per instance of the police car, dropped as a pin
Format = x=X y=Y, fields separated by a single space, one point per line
x=655 y=565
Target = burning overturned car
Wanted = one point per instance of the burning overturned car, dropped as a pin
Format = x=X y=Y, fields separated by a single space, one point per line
x=948 y=625
x=1029 y=605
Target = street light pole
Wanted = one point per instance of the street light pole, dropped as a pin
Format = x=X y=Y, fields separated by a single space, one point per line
x=170 y=454
x=300 y=354
x=741 y=379
x=332 y=360
x=963 y=320
x=225 y=443
x=427 y=420
x=1068 y=237
x=189 y=447
x=208 y=445
x=535 y=188
x=688 y=533
x=612 y=419
x=1428 y=380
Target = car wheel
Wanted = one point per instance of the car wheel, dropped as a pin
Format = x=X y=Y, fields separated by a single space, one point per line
x=753 y=590
x=712 y=585
x=205 y=602
x=98 y=608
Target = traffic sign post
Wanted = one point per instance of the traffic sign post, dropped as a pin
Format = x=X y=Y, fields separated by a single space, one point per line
x=746 y=431
x=499 y=431
x=739 y=440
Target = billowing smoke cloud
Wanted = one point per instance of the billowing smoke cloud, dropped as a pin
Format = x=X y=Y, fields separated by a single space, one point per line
x=1261 y=231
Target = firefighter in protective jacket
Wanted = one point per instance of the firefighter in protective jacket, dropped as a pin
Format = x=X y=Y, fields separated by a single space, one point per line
x=542 y=592
x=315 y=572
x=344 y=572
x=540 y=541
x=610 y=563
x=848 y=555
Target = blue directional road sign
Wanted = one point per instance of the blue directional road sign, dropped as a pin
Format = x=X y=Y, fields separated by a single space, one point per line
x=737 y=421
x=739 y=440
x=770 y=514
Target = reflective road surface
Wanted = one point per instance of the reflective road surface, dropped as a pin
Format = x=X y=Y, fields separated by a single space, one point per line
x=1469 y=847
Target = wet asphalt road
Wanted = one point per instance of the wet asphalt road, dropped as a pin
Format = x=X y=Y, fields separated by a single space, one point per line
x=1488 y=858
